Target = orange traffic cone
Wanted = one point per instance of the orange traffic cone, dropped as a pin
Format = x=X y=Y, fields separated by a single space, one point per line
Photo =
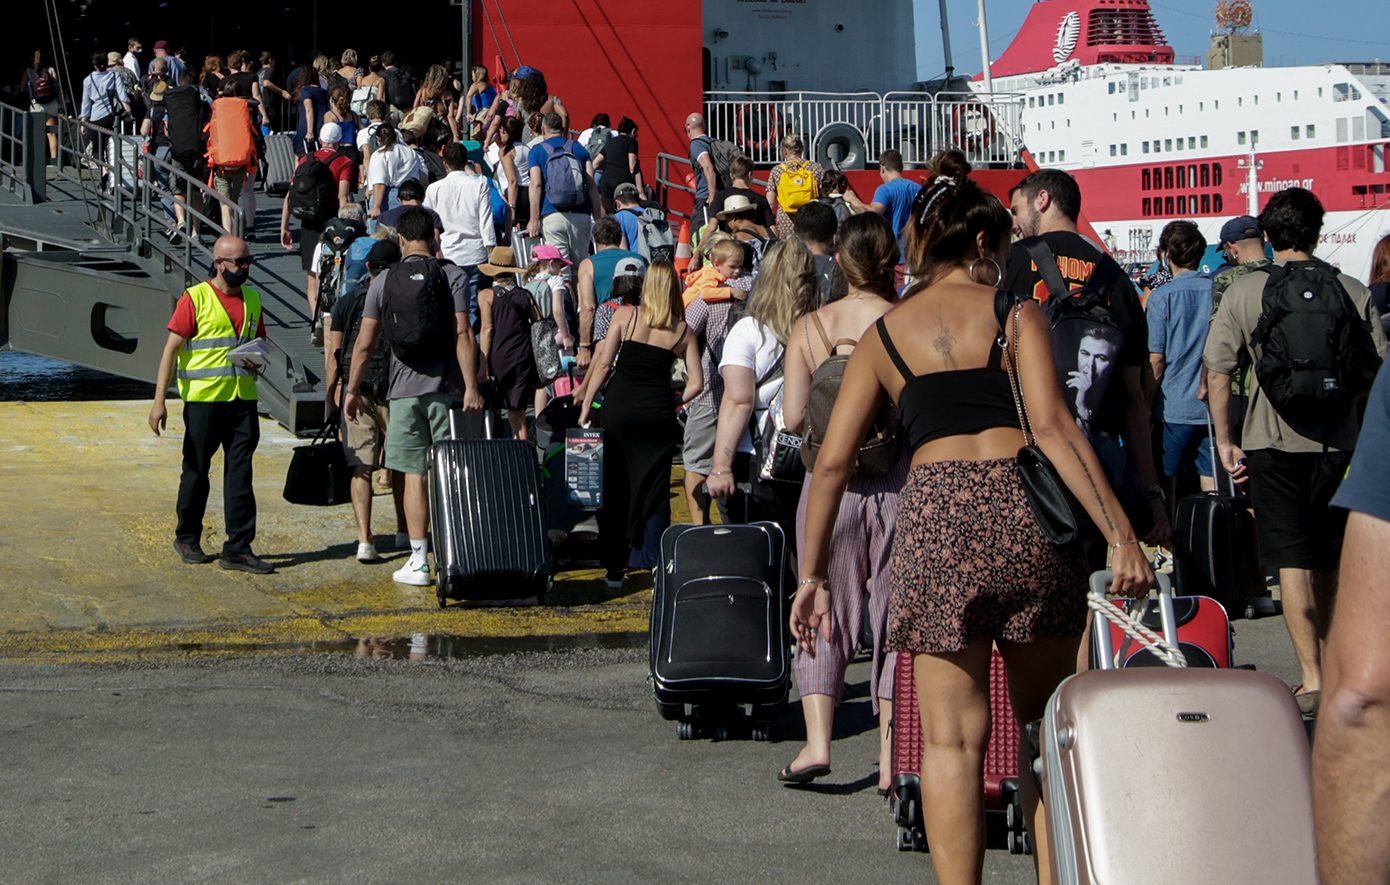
x=683 y=253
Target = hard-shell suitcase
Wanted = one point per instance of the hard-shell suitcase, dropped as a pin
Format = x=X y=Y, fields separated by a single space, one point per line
x=1215 y=550
x=279 y=164
x=1204 y=634
x=1159 y=775
x=486 y=520
x=719 y=630
x=523 y=244
x=1003 y=805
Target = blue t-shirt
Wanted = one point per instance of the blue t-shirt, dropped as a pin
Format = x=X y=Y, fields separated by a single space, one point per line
x=700 y=146
x=483 y=100
x=537 y=160
x=603 y=262
x=897 y=195
x=1179 y=315
x=1366 y=488
x=627 y=220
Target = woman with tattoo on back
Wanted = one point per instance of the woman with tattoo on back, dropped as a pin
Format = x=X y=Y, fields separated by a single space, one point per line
x=970 y=567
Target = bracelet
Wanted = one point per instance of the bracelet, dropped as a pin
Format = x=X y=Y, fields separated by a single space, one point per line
x=1124 y=544
x=720 y=472
x=352 y=393
x=822 y=581
x=587 y=346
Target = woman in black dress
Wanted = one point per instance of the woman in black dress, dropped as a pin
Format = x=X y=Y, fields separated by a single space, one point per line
x=618 y=163
x=641 y=434
x=507 y=312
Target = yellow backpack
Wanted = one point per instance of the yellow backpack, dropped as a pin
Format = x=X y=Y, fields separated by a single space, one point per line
x=797 y=187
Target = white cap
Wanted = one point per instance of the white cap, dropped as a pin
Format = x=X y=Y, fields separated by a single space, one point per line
x=629 y=267
x=330 y=133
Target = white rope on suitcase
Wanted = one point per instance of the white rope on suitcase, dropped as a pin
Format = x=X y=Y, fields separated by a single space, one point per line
x=1137 y=630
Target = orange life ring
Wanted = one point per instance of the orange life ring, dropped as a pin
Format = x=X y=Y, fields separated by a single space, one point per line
x=746 y=113
x=972 y=126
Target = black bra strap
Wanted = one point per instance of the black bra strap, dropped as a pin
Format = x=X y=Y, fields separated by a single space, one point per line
x=892 y=351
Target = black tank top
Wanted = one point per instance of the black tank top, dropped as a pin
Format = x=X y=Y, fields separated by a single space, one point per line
x=940 y=404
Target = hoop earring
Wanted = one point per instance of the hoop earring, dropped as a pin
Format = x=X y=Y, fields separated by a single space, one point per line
x=998 y=271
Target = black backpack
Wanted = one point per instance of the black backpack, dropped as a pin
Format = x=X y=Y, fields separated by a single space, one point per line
x=338 y=234
x=377 y=380
x=1316 y=352
x=187 y=114
x=398 y=88
x=313 y=190
x=721 y=152
x=43 y=87
x=419 y=319
x=1082 y=325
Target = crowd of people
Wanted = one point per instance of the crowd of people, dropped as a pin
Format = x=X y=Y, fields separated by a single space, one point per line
x=471 y=253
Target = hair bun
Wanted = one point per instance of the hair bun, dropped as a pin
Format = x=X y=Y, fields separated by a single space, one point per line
x=951 y=164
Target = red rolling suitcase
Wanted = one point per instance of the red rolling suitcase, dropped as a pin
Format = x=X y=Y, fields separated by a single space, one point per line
x=1002 y=803
x=1204 y=635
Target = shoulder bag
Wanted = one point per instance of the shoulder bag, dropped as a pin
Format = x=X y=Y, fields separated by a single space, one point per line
x=319 y=475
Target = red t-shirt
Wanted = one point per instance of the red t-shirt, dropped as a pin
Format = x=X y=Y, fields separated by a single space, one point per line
x=342 y=167
x=185 y=320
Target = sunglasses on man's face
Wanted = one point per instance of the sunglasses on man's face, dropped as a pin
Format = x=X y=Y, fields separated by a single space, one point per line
x=244 y=261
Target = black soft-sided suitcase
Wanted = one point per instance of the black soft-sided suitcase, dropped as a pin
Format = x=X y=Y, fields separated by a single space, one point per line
x=279 y=164
x=486 y=520
x=1215 y=550
x=719 y=630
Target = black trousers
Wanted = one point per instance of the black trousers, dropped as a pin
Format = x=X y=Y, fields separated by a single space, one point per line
x=235 y=428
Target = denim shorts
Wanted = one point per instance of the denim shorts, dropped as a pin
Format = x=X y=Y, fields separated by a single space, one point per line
x=1185 y=444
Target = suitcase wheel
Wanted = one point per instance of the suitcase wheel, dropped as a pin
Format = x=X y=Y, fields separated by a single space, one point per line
x=685 y=730
x=761 y=731
x=905 y=839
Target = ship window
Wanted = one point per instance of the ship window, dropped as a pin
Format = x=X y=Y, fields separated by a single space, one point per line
x=1206 y=203
x=1201 y=106
x=1061 y=156
x=1114 y=151
x=1146 y=113
x=1114 y=118
x=1257 y=99
x=1167 y=205
x=1182 y=205
x=1168 y=177
x=1124 y=150
x=1319 y=92
x=1295 y=95
x=1148 y=206
x=1240 y=101
x=1216 y=106
x=1216 y=204
x=1167 y=144
x=1112 y=88
x=1240 y=138
x=1206 y=175
x=1154 y=82
x=1122 y=86
x=1204 y=141
x=1158 y=177
x=1165 y=110
x=1180 y=109
x=1051 y=99
x=1146 y=147
x=1030 y=101
x=1143 y=83
x=1293 y=133
x=1182 y=177
x=1278 y=96
x=1061 y=98
x=1216 y=182
x=1147 y=181
x=1179 y=144
x=1051 y=156
x=1192 y=176
x=1167 y=81
x=1192 y=143
x=1254 y=136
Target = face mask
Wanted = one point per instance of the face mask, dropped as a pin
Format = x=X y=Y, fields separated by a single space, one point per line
x=234 y=278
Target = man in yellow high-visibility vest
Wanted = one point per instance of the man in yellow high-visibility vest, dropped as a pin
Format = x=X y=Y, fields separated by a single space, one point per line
x=219 y=404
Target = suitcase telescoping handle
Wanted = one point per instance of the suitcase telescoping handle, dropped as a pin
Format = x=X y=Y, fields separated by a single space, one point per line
x=1128 y=620
x=1218 y=469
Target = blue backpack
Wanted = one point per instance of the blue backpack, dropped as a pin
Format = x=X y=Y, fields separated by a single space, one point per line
x=355 y=264
x=564 y=176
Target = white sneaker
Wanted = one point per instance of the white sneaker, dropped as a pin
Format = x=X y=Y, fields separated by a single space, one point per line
x=414 y=575
x=367 y=553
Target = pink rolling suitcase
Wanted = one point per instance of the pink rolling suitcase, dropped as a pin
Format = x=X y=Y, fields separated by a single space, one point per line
x=1159 y=775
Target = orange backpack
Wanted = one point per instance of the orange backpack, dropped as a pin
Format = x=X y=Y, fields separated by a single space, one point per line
x=230 y=143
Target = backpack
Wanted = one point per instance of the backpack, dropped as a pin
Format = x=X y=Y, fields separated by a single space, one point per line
x=564 y=177
x=313 y=190
x=597 y=139
x=398 y=88
x=360 y=96
x=721 y=152
x=152 y=78
x=186 y=114
x=836 y=203
x=435 y=170
x=796 y=187
x=654 y=240
x=419 y=320
x=43 y=86
x=338 y=237
x=1075 y=316
x=1316 y=351
x=230 y=142
x=337 y=79
x=377 y=380
x=738 y=309
x=878 y=453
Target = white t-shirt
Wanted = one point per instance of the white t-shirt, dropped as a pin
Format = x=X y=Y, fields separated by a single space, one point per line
x=751 y=346
x=364 y=133
x=393 y=166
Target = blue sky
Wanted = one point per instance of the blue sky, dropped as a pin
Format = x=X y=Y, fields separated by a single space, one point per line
x=1343 y=30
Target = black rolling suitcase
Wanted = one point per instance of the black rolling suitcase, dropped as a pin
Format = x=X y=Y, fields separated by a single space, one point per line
x=279 y=164
x=1215 y=550
x=486 y=520
x=719 y=658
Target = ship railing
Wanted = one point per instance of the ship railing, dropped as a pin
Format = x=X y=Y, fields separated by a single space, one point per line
x=675 y=177
x=23 y=153
x=135 y=195
x=850 y=130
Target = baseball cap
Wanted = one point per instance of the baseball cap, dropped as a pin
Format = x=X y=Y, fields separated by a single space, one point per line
x=1242 y=227
x=547 y=252
x=383 y=253
x=161 y=44
x=626 y=191
x=629 y=267
x=330 y=133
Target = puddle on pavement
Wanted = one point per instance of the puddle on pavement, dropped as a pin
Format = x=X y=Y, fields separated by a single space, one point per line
x=25 y=377
x=421 y=647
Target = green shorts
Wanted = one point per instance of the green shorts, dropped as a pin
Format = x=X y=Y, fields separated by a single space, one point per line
x=415 y=424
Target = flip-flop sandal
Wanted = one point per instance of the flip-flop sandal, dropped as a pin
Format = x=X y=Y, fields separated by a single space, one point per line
x=804 y=776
